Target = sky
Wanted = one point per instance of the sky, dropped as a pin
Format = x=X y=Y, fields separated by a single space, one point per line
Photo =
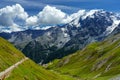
x=68 y=6
x=17 y=15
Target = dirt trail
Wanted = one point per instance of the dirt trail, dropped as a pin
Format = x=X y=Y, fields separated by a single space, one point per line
x=6 y=72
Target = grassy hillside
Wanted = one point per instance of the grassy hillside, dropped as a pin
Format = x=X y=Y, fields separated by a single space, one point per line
x=28 y=70
x=98 y=61
x=31 y=71
x=9 y=55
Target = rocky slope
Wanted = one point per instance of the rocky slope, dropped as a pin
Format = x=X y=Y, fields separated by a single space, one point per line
x=22 y=38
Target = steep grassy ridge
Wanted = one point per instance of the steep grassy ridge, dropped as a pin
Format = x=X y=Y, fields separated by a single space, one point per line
x=9 y=55
x=28 y=70
x=98 y=61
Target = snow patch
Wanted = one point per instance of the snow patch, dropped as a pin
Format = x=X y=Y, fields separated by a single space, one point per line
x=75 y=23
x=90 y=13
x=64 y=32
x=63 y=29
x=78 y=14
x=48 y=33
x=116 y=22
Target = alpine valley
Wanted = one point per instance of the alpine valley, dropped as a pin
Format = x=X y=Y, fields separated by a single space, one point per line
x=85 y=48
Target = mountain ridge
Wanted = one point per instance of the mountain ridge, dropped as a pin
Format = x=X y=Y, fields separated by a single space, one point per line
x=59 y=41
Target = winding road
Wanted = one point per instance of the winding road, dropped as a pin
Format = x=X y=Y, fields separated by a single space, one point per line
x=6 y=72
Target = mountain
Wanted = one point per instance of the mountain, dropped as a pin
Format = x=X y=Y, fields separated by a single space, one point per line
x=59 y=41
x=22 y=38
x=97 y=61
x=10 y=57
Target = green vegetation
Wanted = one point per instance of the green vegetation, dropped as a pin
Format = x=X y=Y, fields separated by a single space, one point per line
x=97 y=61
x=28 y=70
x=9 y=55
x=31 y=71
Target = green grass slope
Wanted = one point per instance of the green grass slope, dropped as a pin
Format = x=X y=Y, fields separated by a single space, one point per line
x=28 y=70
x=98 y=61
x=9 y=55
x=31 y=71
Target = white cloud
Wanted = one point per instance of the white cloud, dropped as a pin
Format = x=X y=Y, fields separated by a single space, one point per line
x=49 y=15
x=52 y=15
x=33 y=20
x=12 y=28
x=10 y=13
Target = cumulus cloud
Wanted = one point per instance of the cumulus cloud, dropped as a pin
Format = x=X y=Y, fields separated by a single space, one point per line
x=12 y=28
x=33 y=20
x=52 y=15
x=49 y=15
x=10 y=13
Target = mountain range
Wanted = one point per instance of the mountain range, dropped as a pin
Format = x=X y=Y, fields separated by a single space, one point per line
x=87 y=48
x=44 y=46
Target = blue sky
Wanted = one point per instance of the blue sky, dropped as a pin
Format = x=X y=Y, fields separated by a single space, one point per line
x=68 y=6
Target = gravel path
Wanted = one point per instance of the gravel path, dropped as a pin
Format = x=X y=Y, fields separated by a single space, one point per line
x=6 y=72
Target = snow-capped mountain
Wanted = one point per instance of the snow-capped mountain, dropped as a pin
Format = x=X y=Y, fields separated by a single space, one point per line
x=56 y=42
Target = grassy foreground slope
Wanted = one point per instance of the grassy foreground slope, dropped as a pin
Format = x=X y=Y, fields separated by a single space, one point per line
x=98 y=61
x=9 y=55
x=28 y=70
x=31 y=71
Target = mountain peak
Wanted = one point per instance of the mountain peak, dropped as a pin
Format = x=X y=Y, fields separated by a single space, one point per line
x=92 y=12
